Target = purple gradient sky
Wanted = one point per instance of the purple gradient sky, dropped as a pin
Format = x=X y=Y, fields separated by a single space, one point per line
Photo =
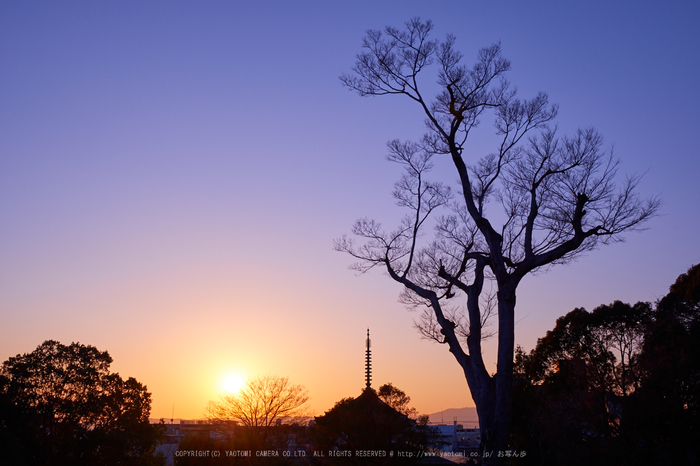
x=172 y=176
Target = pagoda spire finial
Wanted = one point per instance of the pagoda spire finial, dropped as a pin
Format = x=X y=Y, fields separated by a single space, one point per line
x=368 y=363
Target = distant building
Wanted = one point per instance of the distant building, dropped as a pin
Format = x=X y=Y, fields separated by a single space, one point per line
x=459 y=439
x=175 y=432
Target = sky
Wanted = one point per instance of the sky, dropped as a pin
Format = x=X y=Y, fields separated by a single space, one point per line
x=173 y=175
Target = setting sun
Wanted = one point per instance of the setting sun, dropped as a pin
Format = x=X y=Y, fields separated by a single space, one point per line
x=233 y=383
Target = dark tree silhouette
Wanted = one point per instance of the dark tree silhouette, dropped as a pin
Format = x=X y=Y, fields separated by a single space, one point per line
x=559 y=196
x=61 y=405
x=397 y=399
x=666 y=420
x=619 y=385
x=607 y=342
x=573 y=390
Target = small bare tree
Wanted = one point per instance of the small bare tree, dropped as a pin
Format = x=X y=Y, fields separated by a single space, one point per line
x=261 y=402
x=558 y=197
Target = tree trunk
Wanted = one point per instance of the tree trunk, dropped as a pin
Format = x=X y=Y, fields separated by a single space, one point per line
x=485 y=408
x=504 y=371
x=493 y=396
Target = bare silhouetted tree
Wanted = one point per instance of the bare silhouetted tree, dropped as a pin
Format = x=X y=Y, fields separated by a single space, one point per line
x=261 y=402
x=558 y=196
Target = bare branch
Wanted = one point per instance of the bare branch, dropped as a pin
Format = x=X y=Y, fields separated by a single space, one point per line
x=560 y=196
x=261 y=402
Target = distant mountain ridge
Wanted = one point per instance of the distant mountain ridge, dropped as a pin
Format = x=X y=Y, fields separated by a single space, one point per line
x=465 y=416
